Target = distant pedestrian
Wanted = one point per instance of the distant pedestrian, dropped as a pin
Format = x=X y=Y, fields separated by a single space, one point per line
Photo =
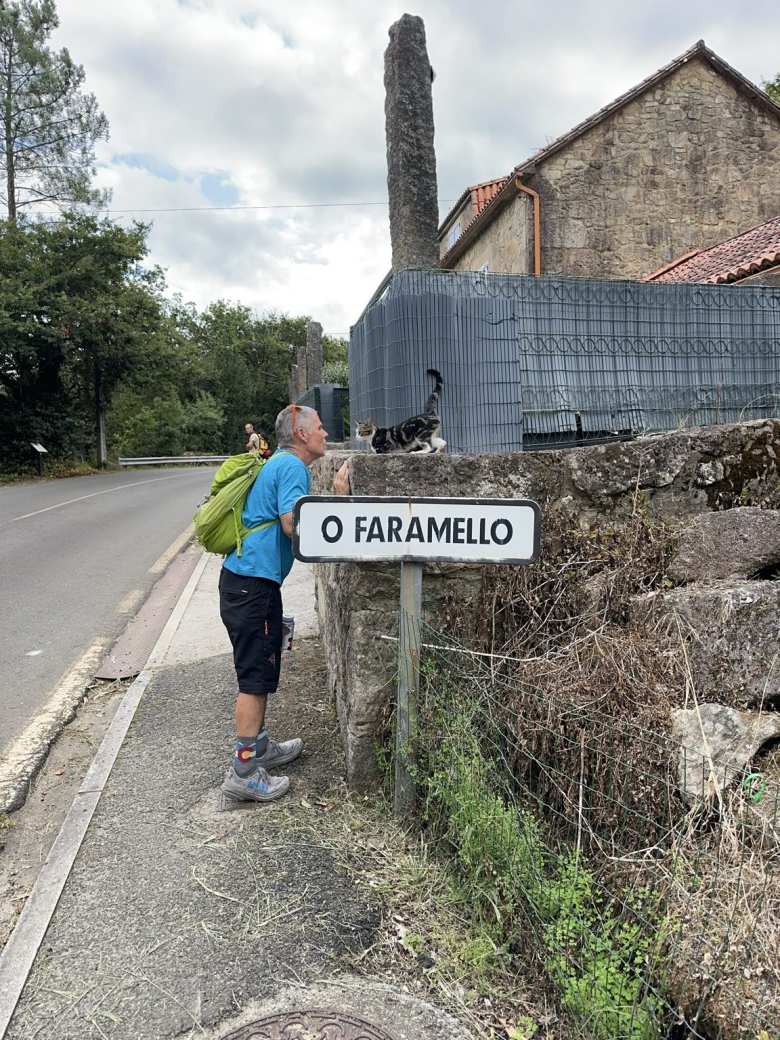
x=250 y=603
x=255 y=441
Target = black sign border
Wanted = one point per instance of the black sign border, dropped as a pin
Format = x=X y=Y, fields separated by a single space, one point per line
x=383 y=499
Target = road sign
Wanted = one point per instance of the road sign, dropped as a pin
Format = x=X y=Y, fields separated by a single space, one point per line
x=40 y=451
x=337 y=528
x=414 y=531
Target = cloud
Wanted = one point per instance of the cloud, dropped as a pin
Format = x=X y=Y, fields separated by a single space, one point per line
x=252 y=102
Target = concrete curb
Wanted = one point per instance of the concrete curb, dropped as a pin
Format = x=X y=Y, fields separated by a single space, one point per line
x=29 y=752
x=19 y=953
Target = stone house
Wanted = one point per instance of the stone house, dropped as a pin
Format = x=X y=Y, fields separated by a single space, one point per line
x=752 y=258
x=689 y=156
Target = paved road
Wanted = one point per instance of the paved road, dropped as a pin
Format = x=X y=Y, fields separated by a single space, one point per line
x=75 y=560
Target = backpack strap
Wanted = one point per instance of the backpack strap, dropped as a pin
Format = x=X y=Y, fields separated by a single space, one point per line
x=260 y=527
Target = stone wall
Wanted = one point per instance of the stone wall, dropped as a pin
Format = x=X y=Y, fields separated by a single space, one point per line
x=679 y=475
x=687 y=164
x=506 y=245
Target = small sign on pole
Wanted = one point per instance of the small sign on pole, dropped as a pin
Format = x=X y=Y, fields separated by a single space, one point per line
x=40 y=451
x=412 y=532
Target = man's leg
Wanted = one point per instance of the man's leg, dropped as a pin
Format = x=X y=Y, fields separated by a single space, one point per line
x=249 y=719
x=250 y=713
x=251 y=610
x=247 y=607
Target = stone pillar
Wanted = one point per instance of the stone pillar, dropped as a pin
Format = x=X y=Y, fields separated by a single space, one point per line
x=411 y=160
x=313 y=353
x=292 y=388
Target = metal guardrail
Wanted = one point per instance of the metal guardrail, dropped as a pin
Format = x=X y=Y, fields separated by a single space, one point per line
x=172 y=460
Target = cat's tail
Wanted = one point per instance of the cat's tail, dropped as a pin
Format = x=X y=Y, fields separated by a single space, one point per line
x=431 y=406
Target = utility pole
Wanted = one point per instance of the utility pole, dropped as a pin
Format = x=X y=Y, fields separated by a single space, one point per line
x=100 y=419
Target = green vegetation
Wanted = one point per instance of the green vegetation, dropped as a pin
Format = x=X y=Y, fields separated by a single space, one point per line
x=772 y=87
x=87 y=335
x=84 y=320
x=522 y=896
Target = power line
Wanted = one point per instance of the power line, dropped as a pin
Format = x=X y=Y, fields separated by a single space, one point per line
x=228 y=209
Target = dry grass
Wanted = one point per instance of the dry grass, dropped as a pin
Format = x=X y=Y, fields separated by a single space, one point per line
x=723 y=894
x=576 y=708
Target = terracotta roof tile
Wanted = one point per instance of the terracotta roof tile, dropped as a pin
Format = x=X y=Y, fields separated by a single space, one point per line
x=727 y=261
x=481 y=194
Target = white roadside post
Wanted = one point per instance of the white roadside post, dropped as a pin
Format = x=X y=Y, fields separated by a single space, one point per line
x=412 y=532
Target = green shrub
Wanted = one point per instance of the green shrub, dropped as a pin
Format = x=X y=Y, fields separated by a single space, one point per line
x=497 y=848
x=594 y=951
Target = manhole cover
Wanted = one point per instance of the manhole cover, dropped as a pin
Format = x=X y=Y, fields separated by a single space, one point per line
x=310 y=1025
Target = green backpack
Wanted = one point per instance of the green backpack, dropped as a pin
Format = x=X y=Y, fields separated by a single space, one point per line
x=218 y=524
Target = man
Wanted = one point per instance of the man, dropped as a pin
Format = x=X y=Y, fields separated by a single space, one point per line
x=255 y=442
x=250 y=601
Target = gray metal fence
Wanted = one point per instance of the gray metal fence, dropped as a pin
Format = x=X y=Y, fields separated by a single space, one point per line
x=534 y=362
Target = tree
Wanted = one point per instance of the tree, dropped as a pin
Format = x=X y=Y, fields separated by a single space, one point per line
x=335 y=366
x=247 y=361
x=772 y=87
x=78 y=313
x=49 y=124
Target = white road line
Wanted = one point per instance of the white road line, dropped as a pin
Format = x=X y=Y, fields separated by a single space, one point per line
x=161 y=563
x=129 y=602
x=19 y=762
x=94 y=494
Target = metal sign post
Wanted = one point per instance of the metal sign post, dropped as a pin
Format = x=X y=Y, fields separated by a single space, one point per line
x=413 y=531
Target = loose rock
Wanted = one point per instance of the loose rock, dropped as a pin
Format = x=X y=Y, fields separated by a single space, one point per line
x=733 y=543
x=731 y=631
x=716 y=743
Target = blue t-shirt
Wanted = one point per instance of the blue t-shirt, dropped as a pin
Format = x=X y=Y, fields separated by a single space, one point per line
x=268 y=553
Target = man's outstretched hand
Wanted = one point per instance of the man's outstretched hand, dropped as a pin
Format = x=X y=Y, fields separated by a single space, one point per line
x=341 y=480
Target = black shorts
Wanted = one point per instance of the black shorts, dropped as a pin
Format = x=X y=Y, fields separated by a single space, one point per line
x=251 y=611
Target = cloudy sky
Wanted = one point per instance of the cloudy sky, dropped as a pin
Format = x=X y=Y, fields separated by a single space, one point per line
x=220 y=104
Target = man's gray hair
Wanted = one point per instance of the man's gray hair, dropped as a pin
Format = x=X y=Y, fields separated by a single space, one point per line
x=293 y=417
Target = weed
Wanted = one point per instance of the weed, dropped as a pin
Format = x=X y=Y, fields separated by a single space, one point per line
x=525 y=1029
x=594 y=953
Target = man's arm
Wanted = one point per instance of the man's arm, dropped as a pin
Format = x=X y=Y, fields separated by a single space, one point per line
x=293 y=484
x=288 y=524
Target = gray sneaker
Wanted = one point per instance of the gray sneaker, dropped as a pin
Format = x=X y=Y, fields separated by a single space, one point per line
x=280 y=754
x=257 y=787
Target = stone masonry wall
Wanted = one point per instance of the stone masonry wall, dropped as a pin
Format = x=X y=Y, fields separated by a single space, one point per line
x=689 y=163
x=680 y=475
x=506 y=245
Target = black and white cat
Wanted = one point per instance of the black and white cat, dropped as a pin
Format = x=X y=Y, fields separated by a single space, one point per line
x=420 y=433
